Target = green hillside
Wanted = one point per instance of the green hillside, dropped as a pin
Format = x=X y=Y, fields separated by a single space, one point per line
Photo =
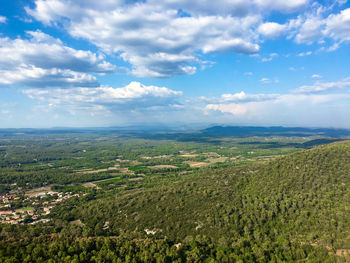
x=295 y=208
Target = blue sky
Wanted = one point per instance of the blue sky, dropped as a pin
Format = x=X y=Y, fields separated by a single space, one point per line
x=90 y=63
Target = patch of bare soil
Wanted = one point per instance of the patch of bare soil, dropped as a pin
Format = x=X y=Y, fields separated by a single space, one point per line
x=271 y=156
x=212 y=154
x=162 y=166
x=122 y=161
x=342 y=252
x=196 y=164
x=135 y=179
x=126 y=171
x=39 y=191
x=178 y=245
x=112 y=168
x=156 y=157
x=91 y=185
x=185 y=172
x=189 y=155
x=77 y=223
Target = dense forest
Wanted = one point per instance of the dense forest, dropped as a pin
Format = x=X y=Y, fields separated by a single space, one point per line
x=291 y=209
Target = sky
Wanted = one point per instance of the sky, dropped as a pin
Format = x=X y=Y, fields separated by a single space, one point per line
x=87 y=63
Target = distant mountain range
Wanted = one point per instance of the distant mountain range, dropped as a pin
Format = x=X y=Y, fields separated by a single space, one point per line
x=247 y=131
x=187 y=133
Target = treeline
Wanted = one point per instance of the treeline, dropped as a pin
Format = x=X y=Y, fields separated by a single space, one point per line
x=130 y=248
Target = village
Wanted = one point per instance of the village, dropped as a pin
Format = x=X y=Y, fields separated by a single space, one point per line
x=30 y=207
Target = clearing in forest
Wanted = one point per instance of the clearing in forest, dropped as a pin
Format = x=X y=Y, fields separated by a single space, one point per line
x=196 y=164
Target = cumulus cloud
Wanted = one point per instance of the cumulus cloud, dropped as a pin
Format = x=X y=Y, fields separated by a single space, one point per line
x=166 y=38
x=234 y=7
x=326 y=97
x=315 y=110
x=47 y=52
x=49 y=11
x=3 y=19
x=207 y=7
x=324 y=86
x=243 y=97
x=42 y=60
x=319 y=24
x=133 y=96
x=272 y=30
x=337 y=26
x=283 y=5
x=285 y=109
x=39 y=77
x=159 y=38
x=159 y=43
x=307 y=29
x=236 y=104
x=232 y=108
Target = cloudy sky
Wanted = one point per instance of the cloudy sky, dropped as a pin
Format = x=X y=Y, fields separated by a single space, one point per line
x=90 y=63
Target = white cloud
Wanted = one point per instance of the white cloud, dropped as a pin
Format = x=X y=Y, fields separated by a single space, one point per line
x=232 y=108
x=39 y=77
x=134 y=103
x=238 y=98
x=43 y=60
x=158 y=43
x=304 y=54
x=133 y=96
x=300 y=105
x=271 y=56
x=272 y=30
x=283 y=5
x=207 y=7
x=237 y=8
x=316 y=76
x=266 y=59
x=320 y=24
x=243 y=97
x=49 y=11
x=3 y=19
x=166 y=38
x=324 y=86
x=337 y=26
x=316 y=110
x=265 y=80
x=308 y=29
x=46 y=52
x=158 y=38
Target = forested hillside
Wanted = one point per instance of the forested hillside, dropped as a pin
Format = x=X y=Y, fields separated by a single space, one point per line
x=293 y=208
